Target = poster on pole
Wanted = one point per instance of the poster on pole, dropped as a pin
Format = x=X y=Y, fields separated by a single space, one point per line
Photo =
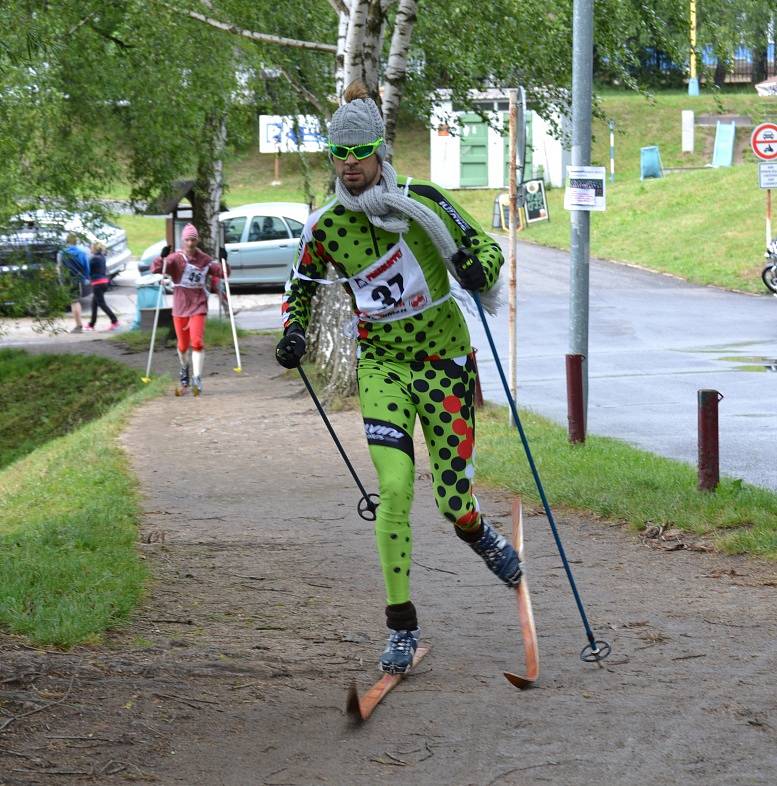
x=767 y=174
x=585 y=188
x=535 y=203
x=277 y=134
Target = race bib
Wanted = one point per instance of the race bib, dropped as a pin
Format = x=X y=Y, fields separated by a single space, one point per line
x=193 y=277
x=392 y=288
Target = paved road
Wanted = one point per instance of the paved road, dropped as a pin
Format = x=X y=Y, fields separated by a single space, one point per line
x=654 y=341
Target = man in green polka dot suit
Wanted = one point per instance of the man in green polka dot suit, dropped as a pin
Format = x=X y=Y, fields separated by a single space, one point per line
x=393 y=242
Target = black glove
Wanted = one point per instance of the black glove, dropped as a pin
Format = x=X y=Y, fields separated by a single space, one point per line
x=291 y=347
x=469 y=270
x=165 y=252
x=223 y=253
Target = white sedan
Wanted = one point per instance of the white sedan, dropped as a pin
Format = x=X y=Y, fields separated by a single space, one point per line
x=261 y=240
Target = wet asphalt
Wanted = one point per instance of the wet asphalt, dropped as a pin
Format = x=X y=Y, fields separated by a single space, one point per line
x=654 y=342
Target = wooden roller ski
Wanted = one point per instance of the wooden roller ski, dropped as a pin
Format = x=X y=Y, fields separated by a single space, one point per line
x=360 y=708
x=525 y=614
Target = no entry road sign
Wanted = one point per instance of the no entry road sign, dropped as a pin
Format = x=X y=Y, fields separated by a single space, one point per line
x=764 y=141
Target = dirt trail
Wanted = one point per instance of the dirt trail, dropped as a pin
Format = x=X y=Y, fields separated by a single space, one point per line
x=267 y=601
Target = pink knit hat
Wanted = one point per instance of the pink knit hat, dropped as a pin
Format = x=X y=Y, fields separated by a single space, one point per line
x=190 y=231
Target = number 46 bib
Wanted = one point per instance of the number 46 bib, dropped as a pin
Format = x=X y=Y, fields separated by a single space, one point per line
x=193 y=277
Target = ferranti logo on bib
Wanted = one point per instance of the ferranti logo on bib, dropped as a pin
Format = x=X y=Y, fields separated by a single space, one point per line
x=373 y=274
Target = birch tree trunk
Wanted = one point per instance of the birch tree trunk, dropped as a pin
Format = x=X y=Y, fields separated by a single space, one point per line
x=331 y=350
x=209 y=185
x=342 y=33
x=360 y=43
x=354 y=41
x=373 y=47
x=396 y=68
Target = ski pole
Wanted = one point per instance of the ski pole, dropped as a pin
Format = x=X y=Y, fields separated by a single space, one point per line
x=237 y=368
x=367 y=506
x=594 y=650
x=147 y=378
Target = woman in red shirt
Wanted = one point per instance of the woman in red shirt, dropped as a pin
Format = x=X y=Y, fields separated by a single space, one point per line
x=189 y=269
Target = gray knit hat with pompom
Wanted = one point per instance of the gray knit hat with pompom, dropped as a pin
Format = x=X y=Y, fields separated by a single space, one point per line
x=358 y=123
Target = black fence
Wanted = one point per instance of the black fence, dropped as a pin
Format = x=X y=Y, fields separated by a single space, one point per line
x=747 y=69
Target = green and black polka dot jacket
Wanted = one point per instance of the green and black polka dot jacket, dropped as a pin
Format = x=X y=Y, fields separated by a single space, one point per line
x=350 y=243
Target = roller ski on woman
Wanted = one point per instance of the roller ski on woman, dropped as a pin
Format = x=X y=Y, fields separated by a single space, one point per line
x=184 y=379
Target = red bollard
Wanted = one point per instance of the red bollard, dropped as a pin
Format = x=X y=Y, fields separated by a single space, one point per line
x=478 y=391
x=575 y=410
x=709 y=454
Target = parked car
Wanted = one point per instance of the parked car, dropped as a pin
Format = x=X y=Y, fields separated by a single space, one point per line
x=60 y=225
x=28 y=261
x=148 y=256
x=22 y=252
x=260 y=239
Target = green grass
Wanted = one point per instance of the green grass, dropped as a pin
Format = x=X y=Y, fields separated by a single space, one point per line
x=654 y=224
x=218 y=333
x=706 y=226
x=46 y=396
x=69 y=567
x=610 y=479
x=142 y=231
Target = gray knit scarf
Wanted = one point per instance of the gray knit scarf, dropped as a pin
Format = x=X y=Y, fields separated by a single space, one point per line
x=387 y=207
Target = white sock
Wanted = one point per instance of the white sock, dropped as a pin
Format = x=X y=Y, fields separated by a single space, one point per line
x=197 y=359
x=183 y=358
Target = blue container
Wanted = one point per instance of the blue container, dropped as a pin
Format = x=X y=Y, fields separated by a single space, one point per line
x=148 y=296
x=650 y=162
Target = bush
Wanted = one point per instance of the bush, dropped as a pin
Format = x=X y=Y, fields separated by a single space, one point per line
x=32 y=292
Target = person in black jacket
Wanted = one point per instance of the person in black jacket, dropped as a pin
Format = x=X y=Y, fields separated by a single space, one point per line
x=100 y=281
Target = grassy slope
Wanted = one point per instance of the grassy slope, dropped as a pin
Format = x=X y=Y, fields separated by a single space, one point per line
x=46 y=396
x=69 y=567
x=704 y=225
x=249 y=178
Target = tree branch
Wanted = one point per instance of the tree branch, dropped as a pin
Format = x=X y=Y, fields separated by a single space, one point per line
x=340 y=6
x=121 y=44
x=264 y=38
x=306 y=94
x=80 y=23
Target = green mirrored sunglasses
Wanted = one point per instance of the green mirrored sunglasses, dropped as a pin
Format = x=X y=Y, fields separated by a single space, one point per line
x=359 y=151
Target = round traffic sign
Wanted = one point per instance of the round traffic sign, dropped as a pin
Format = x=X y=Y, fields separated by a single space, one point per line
x=764 y=141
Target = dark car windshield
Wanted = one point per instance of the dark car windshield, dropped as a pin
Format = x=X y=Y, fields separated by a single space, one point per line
x=33 y=254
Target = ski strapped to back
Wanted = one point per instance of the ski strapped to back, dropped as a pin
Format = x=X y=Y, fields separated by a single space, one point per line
x=360 y=708
x=525 y=614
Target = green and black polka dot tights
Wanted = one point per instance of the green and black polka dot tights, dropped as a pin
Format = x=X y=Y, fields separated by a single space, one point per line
x=441 y=393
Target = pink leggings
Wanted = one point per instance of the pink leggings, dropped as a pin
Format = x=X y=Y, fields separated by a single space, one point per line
x=190 y=331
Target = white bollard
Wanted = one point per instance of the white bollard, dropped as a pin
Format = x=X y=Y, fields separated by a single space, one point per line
x=688 y=130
